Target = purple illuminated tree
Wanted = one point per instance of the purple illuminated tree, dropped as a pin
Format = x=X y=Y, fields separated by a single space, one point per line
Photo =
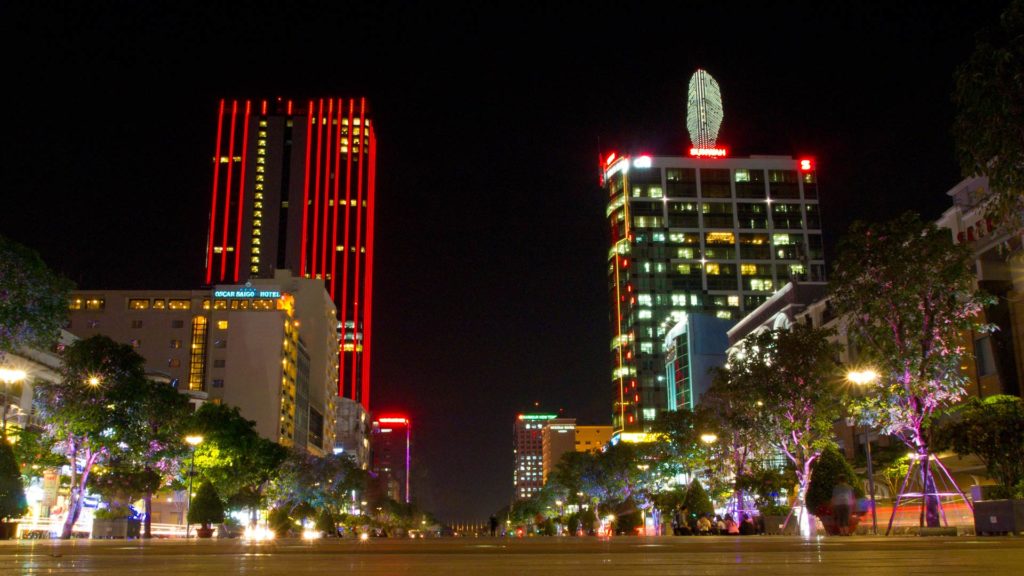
x=790 y=377
x=908 y=294
x=89 y=411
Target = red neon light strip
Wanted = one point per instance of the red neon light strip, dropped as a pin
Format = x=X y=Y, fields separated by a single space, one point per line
x=263 y=108
x=227 y=192
x=316 y=188
x=305 y=187
x=327 y=189
x=290 y=107
x=359 y=242
x=241 y=188
x=368 y=316
x=213 y=204
x=343 y=303
x=336 y=144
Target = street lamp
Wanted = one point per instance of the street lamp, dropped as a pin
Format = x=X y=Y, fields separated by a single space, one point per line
x=867 y=377
x=193 y=441
x=9 y=376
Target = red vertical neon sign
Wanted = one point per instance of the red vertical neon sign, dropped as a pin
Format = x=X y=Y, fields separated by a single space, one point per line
x=359 y=238
x=213 y=204
x=241 y=188
x=305 y=187
x=344 y=267
x=328 y=148
x=316 y=187
x=368 y=297
x=336 y=144
x=227 y=192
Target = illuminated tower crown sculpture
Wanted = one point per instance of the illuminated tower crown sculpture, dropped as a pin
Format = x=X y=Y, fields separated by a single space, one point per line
x=294 y=188
x=703 y=110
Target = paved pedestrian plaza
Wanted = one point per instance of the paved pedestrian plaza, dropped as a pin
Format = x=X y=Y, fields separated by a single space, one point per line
x=763 y=555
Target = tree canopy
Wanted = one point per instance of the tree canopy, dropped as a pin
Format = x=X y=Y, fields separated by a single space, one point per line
x=989 y=123
x=993 y=430
x=33 y=300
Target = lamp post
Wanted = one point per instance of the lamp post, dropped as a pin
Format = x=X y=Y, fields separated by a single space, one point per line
x=193 y=441
x=9 y=377
x=867 y=377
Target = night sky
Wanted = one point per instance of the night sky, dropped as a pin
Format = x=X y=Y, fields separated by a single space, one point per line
x=490 y=286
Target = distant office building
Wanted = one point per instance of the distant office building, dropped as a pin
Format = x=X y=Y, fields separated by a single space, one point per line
x=557 y=437
x=697 y=233
x=693 y=347
x=352 y=431
x=391 y=450
x=592 y=438
x=528 y=453
x=268 y=347
x=293 y=188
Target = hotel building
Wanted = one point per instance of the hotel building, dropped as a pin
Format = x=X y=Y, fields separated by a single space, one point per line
x=268 y=347
x=294 y=188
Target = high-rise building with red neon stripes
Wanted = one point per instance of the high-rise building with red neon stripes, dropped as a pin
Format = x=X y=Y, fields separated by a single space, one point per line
x=294 y=188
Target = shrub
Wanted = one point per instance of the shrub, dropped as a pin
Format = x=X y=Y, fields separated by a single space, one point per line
x=697 y=502
x=12 y=493
x=827 y=469
x=279 y=521
x=206 y=507
x=325 y=523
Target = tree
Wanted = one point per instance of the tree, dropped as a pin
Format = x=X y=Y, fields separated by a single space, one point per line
x=233 y=456
x=89 y=411
x=731 y=415
x=153 y=443
x=791 y=375
x=33 y=300
x=12 y=493
x=989 y=123
x=908 y=296
x=206 y=507
x=993 y=430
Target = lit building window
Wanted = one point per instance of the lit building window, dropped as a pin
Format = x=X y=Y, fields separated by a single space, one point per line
x=179 y=304
x=720 y=238
x=711 y=268
x=138 y=304
x=222 y=324
x=734 y=300
x=780 y=239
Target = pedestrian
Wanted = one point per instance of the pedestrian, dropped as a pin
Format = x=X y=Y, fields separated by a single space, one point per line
x=494 y=526
x=842 y=504
x=704 y=525
x=747 y=527
x=731 y=527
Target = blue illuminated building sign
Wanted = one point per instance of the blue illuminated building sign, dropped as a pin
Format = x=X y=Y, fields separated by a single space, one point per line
x=246 y=292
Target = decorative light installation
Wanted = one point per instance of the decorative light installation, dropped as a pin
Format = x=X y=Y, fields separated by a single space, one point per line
x=703 y=110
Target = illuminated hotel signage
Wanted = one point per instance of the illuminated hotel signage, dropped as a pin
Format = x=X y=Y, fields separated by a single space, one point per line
x=246 y=292
x=708 y=152
x=537 y=416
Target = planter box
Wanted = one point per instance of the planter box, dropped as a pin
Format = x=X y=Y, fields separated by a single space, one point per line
x=8 y=530
x=116 y=528
x=998 y=517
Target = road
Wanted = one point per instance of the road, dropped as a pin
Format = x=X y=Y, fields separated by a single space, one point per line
x=762 y=555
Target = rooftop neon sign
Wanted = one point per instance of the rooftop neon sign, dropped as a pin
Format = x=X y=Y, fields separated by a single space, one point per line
x=708 y=152
x=537 y=416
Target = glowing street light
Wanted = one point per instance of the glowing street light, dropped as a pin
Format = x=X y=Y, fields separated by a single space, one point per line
x=9 y=376
x=193 y=441
x=866 y=377
x=93 y=381
x=862 y=377
x=709 y=438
